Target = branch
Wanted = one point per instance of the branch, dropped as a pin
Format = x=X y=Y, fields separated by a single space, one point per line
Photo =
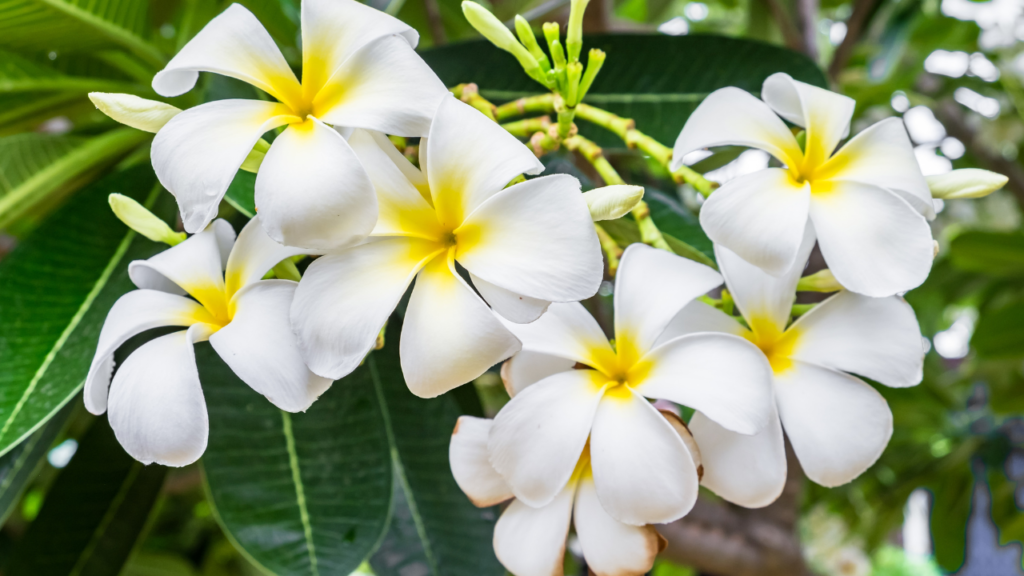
x=789 y=32
x=808 y=12
x=435 y=23
x=855 y=26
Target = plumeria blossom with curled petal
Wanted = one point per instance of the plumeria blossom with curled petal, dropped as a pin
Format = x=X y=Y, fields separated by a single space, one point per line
x=359 y=70
x=155 y=401
x=571 y=388
x=524 y=247
x=868 y=201
x=837 y=424
x=531 y=541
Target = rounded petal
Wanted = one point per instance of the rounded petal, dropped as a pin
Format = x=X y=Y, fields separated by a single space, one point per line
x=531 y=541
x=874 y=337
x=311 y=190
x=761 y=217
x=450 y=336
x=825 y=115
x=651 y=285
x=700 y=317
x=343 y=301
x=838 y=425
x=643 y=471
x=723 y=376
x=610 y=547
x=156 y=404
x=730 y=116
x=233 y=44
x=383 y=86
x=760 y=296
x=515 y=307
x=254 y=254
x=746 y=470
x=132 y=314
x=527 y=367
x=470 y=159
x=474 y=474
x=537 y=438
x=566 y=330
x=261 y=349
x=198 y=152
x=536 y=239
x=333 y=30
x=883 y=156
x=872 y=240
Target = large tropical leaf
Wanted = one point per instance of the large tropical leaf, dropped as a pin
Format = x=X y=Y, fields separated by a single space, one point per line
x=1000 y=332
x=19 y=465
x=57 y=287
x=993 y=253
x=93 y=515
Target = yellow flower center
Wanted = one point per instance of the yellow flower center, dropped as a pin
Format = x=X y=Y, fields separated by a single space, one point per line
x=778 y=345
x=620 y=366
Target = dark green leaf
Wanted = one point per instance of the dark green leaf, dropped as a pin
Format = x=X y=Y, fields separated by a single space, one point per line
x=995 y=253
x=242 y=193
x=18 y=466
x=93 y=515
x=676 y=221
x=1000 y=332
x=58 y=286
x=951 y=508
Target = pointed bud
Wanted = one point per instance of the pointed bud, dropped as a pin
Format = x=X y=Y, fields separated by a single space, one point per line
x=138 y=218
x=139 y=113
x=491 y=28
x=527 y=37
x=965 y=183
x=821 y=281
x=613 y=202
x=574 y=31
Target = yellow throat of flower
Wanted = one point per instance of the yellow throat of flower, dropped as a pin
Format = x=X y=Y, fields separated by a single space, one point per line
x=777 y=344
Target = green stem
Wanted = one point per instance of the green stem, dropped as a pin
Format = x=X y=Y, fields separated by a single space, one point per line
x=527 y=127
x=611 y=249
x=470 y=94
x=541 y=104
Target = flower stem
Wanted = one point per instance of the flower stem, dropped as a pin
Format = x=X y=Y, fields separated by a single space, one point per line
x=526 y=128
x=611 y=249
x=470 y=94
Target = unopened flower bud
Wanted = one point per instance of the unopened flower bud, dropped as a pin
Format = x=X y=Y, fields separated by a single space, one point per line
x=491 y=28
x=146 y=115
x=965 y=183
x=138 y=218
x=821 y=281
x=574 y=32
x=529 y=40
x=612 y=202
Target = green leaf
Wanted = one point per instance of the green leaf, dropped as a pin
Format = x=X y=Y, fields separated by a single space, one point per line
x=657 y=80
x=994 y=253
x=675 y=221
x=58 y=286
x=951 y=509
x=241 y=193
x=1006 y=514
x=93 y=515
x=18 y=466
x=302 y=493
x=19 y=74
x=1000 y=332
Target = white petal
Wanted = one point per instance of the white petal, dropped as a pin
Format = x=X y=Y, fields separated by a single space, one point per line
x=650 y=287
x=198 y=152
x=723 y=376
x=730 y=116
x=745 y=470
x=566 y=331
x=610 y=547
x=536 y=239
x=383 y=86
x=311 y=190
x=527 y=367
x=761 y=217
x=883 y=156
x=838 y=425
x=761 y=297
x=132 y=314
x=261 y=349
x=470 y=159
x=874 y=337
x=234 y=44
x=254 y=254
x=539 y=435
x=643 y=471
x=825 y=115
x=157 y=409
x=400 y=188
x=515 y=307
x=474 y=474
x=332 y=30
x=873 y=241
x=700 y=317
x=531 y=541
x=343 y=301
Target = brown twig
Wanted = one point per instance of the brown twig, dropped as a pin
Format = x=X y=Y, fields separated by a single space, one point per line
x=862 y=10
x=789 y=32
x=807 y=10
x=435 y=23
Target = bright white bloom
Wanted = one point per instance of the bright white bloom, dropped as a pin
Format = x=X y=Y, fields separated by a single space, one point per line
x=643 y=472
x=531 y=541
x=838 y=424
x=358 y=70
x=156 y=403
x=867 y=202
x=523 y=246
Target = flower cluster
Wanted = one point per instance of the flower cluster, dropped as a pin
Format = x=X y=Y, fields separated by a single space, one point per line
x=498 y=265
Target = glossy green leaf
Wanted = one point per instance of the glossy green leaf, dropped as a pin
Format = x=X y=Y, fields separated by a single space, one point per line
x=674 y=220
x=241 y=193
x=58 y=286
x=995 y=253
x=19 y=74
x=1000 y=332
x=951 y=507
x=18 y=466
x=301 y=493
x=94 y=513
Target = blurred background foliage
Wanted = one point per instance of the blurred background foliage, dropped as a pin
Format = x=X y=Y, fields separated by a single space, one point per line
x=944 y=498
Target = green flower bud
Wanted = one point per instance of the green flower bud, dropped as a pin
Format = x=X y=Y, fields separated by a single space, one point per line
x=965 y=183
x=138 y=218
x=821 y=281
x=574 y=33
x=491 y=28
x=527 y=37
x=613 y=202
x=139 y=113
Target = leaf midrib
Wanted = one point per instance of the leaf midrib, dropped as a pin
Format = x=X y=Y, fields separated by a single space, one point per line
x=300 y=491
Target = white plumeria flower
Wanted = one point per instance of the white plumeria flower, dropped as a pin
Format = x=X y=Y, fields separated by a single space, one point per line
x=643 y=472
x=524 y=247
x=531 y=541
x=837 y=424
x=359 y=69
x=155 y=401
x=867 y=202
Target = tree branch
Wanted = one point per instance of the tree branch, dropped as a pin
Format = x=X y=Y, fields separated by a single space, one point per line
x=789 y=32
x=862 y=9
x=435 y=23
x=807 y=10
